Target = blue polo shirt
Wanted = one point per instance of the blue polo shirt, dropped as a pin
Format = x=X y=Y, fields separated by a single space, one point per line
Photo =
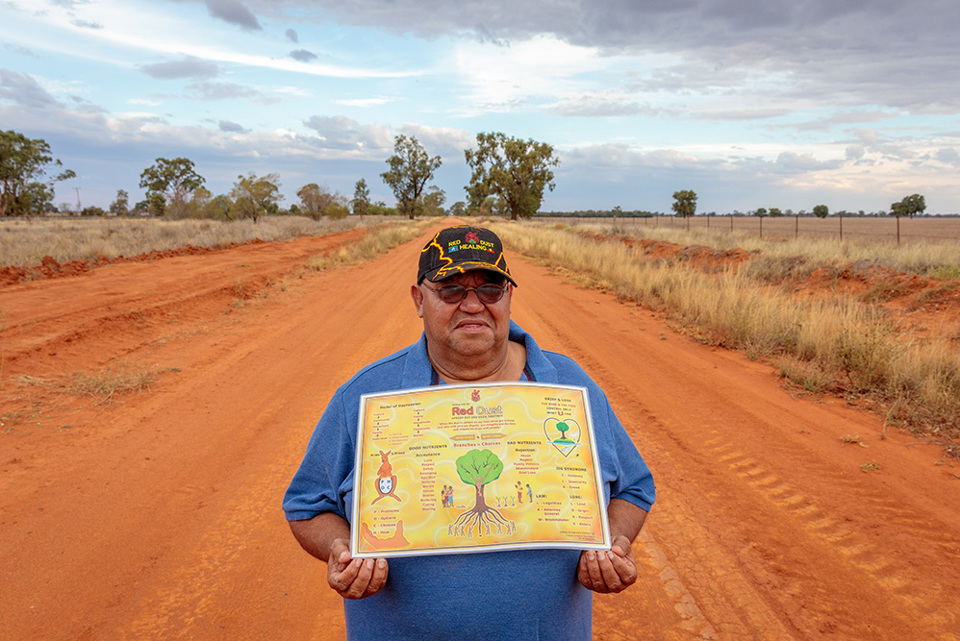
x=522 y=595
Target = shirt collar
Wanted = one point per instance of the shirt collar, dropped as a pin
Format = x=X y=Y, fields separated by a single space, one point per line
x=417 y=367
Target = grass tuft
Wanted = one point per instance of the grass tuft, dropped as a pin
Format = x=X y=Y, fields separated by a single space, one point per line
x=105 y=385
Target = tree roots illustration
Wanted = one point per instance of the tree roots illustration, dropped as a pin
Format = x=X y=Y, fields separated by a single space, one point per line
x=484 y=517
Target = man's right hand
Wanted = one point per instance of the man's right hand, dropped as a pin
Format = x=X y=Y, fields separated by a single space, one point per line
x=354 y=578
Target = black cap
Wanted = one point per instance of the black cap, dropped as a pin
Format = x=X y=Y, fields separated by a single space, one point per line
x=457 y=250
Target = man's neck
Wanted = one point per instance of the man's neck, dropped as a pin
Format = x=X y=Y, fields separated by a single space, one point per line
x=483 y=369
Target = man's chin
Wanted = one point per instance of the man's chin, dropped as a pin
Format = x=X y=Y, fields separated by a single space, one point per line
x=473 y=343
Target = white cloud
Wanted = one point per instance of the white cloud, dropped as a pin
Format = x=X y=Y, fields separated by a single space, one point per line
x=514 y=76
x=363 y=102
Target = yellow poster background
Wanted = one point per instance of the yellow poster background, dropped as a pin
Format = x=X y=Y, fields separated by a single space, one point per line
x=527 y=451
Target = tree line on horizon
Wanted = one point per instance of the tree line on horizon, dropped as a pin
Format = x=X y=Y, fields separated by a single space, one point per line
x=508 y=178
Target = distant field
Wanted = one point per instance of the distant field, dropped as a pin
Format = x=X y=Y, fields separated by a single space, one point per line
x=25 y=242
x=924 y=229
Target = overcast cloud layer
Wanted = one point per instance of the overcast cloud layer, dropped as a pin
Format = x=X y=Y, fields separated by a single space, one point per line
x=750 y=103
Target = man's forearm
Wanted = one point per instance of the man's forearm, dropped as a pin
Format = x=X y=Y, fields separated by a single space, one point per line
x=316 y=535
x=625 y=519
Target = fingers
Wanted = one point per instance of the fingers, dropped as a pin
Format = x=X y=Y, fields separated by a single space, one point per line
x=355 y=578
x=379 y=577
x=606 y=572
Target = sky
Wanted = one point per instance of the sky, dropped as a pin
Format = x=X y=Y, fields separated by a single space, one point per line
x=750 y=103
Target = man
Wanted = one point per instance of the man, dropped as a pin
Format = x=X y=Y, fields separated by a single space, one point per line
x=463 y=294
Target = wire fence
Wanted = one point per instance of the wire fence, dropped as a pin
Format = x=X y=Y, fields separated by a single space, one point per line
x=887 y=229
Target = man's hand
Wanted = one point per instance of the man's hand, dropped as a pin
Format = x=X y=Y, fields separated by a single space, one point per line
x=607 y=572
x=354 y=578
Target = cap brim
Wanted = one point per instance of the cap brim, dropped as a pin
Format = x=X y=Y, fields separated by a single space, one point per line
x=443 y=273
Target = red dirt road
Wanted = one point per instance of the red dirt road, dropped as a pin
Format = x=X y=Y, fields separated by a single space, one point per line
x=156 y=515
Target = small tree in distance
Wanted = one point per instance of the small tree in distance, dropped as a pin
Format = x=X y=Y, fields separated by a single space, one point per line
x=254 y=197
x=120 y=206
x=821 y=211
x=411 y=168
x=685 y=203
x=909 y=206
x=169 y=182
x=361 y=198
x=515 y=171
x=317 y=201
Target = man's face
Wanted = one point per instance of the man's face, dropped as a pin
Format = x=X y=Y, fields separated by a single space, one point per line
x=466 y=329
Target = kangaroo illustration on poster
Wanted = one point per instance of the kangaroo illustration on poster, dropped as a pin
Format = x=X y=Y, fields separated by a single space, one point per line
x=386 y=479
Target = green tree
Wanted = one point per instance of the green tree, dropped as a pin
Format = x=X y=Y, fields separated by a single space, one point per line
x=317 y=201
x=457 y=209
x=433 y=201
x=36 y=199
x=339 y=208
x=909 y=206
x=760 y=211
x=22 y=163
x=821 y=211
x=254 y=197
x=199 y=204
x=685 y=203
x=411 y=168
x=168 y=183
x=220 y=207
x=361 y=198
x=120 y=206
x=314 y=200
x=92 y=210
x=477 y=468
x=775 y=212
x=514 y=170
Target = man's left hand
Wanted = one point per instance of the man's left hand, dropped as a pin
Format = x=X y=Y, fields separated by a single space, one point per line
x=608 y=572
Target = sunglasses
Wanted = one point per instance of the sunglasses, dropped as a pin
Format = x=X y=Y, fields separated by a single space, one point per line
x=488 y=294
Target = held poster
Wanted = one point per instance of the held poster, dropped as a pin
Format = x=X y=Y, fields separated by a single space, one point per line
x=476 y=468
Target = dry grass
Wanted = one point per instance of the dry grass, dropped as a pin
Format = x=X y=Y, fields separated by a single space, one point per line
x=838 y=345
x=24 y=242
x=939 y=259
x=373 y=243
x=104 y=386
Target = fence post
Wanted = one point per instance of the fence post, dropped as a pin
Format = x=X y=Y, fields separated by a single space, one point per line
x=841 y=226
x=796 y=227
x=898 y=230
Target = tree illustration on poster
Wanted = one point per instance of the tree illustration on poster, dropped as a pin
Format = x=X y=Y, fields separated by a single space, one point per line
x=478 y=468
